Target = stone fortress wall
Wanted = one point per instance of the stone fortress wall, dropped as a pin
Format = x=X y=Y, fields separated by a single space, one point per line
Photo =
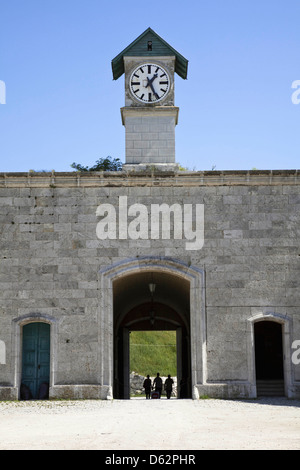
x=51 y=260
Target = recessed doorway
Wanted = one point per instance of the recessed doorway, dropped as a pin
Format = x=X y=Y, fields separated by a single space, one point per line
x=35 y=361
x=269 y=358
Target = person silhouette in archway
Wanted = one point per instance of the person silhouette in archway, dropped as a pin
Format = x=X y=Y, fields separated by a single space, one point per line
x=168 y=386
x=147 y=386
x=157 y=382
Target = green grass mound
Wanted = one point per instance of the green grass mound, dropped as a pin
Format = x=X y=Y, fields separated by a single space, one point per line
x=152 y=352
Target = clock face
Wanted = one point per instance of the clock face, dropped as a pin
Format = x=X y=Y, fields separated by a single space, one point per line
x=149 y=83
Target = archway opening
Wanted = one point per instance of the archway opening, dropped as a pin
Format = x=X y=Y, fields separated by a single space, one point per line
x=269 y=358
x=136 y=308
x=152 y=352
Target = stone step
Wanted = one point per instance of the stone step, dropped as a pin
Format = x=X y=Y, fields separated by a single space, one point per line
x=270 y=388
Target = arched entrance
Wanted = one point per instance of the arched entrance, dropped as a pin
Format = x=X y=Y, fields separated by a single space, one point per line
x=269 y=358
x=123 y=287
x=168 y=309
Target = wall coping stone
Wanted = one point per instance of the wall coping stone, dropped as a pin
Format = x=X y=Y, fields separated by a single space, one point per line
x=149 y=177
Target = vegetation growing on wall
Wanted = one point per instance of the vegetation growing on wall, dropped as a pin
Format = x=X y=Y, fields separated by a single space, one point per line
x=103 y=164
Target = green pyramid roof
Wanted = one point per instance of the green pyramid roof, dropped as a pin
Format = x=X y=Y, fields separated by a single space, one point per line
x=139 y=47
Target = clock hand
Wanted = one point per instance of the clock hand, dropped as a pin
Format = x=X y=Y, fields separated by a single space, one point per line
x=149 y=83
x=153 y=78
x=154 y=92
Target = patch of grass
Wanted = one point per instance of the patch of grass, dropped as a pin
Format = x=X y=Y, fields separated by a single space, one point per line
x=152 y=352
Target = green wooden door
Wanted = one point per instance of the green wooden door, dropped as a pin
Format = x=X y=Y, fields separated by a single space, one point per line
x=36 y=356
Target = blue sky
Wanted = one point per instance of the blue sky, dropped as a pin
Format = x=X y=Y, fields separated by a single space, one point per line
x=62 y=105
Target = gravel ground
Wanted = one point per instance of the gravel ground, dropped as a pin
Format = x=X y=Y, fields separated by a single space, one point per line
x=139 y=424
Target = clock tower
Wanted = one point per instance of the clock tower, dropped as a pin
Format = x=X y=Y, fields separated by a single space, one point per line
x=149 y=114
